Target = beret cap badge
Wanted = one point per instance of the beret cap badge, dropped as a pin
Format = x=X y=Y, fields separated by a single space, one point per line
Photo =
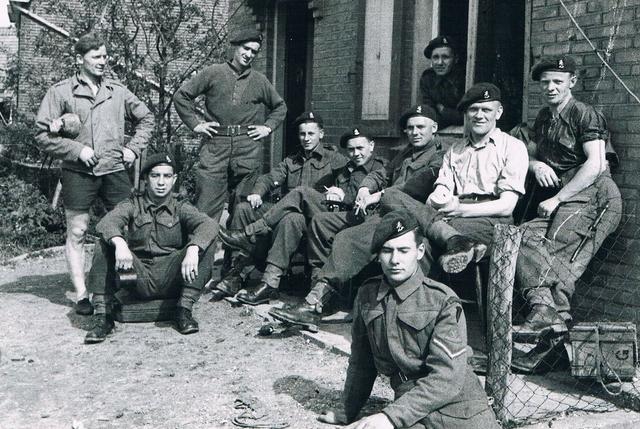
x=560 y=63
x=486 y=95
x=356 y=132
x=399 y=227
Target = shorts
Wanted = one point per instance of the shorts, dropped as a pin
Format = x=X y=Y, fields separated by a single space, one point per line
x=79 y=190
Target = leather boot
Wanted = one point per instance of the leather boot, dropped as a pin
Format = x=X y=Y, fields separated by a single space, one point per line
x=460 y=252
x=304 y=315
x=237 y=239
x=102 y=326
x=185 y=322
x=228 y=286
x=542 y=320
x=261 y=295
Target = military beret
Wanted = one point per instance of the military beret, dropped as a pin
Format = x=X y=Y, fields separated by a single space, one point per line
x=157 y=159
x=481 y=92
x=246 y=36
x=392 y=225
x=309 y=117
x=559 y=64
x=353 y=133
x=438 y=42
x=71 y=125
x=419 y=110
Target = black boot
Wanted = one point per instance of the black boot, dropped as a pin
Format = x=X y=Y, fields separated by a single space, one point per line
x=102 y=326
x=460 y=252
x=237 y=239
x=542 y=320
x=304 y=314
x=228 y=286
x=261 y=295
x=84 y=307
x=185 y=322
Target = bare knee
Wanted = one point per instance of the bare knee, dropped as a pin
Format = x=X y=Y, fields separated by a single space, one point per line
x=77 y=225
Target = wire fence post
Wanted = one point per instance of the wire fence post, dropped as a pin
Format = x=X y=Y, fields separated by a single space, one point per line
x=504 y=253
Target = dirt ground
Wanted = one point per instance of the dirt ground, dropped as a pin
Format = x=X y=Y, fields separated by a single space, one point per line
x=148 y=375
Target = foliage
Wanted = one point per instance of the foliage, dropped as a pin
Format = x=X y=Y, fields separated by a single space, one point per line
x=154 y=46
x=27 y=221
x=17 y=143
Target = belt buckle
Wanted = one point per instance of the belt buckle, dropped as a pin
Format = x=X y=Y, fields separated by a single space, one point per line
x=235 y=130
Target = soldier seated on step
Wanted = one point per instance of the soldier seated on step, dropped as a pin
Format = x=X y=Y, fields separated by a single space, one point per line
x=411 y=329
x=287 y=220
x=313 y=170
x=168 y=245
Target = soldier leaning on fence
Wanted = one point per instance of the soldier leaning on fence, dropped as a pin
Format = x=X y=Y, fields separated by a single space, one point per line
x=481 y=178
x=442 y=85
x=168 y=246
x=317 y=166
x=232 y=129
x=94 y=161
x=339 y=237
x=288 y=219
x=413 y=330
x=579 y=202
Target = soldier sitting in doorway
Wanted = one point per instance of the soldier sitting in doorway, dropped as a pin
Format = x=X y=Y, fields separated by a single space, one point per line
x=442 y=85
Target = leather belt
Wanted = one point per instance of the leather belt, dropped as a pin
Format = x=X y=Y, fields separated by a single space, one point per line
x=476 y=198
x=232 y=130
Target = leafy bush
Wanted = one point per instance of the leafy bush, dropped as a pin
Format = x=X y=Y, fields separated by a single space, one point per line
x=27 y=221
x=17 y=143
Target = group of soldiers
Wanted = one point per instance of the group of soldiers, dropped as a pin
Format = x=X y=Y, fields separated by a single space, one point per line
x=431 y=209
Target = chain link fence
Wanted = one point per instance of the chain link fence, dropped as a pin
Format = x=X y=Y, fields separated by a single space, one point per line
x=535 y=374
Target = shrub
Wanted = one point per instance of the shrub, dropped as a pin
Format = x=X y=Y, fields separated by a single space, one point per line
x=27 y=221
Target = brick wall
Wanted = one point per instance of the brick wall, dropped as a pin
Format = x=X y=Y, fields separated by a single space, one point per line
x=8 y=49
x=610 y=289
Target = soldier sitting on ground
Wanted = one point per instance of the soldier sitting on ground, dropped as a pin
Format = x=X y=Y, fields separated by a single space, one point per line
x=442 y=85
x=413 y=330
x=315 y=166
x=288 y=219
x=168 y=246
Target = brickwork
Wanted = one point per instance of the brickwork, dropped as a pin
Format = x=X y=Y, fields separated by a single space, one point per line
x=611 y=291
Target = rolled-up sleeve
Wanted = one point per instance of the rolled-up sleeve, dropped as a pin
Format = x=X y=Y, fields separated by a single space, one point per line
x=514 y=172
x=446 y=365
x=445 y=174
x=591 y=126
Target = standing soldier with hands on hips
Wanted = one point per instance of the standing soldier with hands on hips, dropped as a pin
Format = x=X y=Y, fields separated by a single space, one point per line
x=232 y=129
x=82 y=120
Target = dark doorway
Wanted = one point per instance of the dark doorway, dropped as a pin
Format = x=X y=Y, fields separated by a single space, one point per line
x=454 y=22
x=297 y=62
x=500 y=53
